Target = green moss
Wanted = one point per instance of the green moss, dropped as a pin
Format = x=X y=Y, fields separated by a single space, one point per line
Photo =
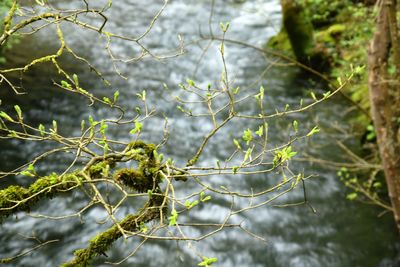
x=16 y=198
x=147 y=148
x=96 y=170
x=281 y=42
x=330 y=35
x=134 y=179
x=6 y=260
x=99 y=244
x=145 y=177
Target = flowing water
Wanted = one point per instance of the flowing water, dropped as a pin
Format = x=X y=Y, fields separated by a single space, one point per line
x=341 y=233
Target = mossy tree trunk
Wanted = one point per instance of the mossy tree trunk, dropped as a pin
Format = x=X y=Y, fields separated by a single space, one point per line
x=385 y=97
x=299 y=29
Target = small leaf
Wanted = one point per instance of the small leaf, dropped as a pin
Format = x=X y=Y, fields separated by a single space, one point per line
x=327 y=94
x=41 y=129
x=260 y=131
x=236 y=90
x=180 y=109
x=352 y=196
x=55 y=128
x=313 y=96
x=207 y=262
x=224 y=27
x=40 y=2
x=65 y=84
x=377 y=185
x=19 y=112
x=143 y=228
x=190 y=83
x=295 y=126
x=262 y=92
x=75 y=77
x=247 y=136
x=236 y=142
x=29 y=171
x=103 y=127
x=207 y=198
x=359 y=69
x=203 y=197
x=235 y=169
x=248 y=154
x=340 y=81
x=138 y=127
x=107 y=101
x=116 y=95
x=189 y=205
x=82 y=125
x=313 y=131
x=91 y=121
x=5 y=116
x=142 y=96
x=173 y=218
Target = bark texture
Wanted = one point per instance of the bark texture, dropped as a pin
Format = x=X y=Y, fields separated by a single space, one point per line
x=385 y=94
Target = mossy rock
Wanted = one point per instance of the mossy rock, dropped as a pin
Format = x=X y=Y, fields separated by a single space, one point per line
x=280 y=42
x=331 y=34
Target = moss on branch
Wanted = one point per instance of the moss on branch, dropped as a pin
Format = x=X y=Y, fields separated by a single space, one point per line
x=102 y=242
x=145 y=177
x=17 y=198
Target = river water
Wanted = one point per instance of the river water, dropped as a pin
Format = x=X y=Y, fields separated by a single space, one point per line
x=340 y=234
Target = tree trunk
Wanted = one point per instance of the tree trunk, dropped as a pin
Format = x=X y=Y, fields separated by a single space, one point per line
x=299 y=29
x=384 y=96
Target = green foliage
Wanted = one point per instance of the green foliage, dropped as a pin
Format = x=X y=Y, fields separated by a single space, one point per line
x=138 y=127
x=203 y=197
x=323 y=12
x=247 y=136
x=341 y=28
x=295 y=126
x=281 y=42
x=313 y=131
x=30 y=171
x=5 y=116
x=283 y=155
x=260 y=131
x=346 y=41
x=189 y=205
x=207 y=262
x=173 y=218
x=364 y=186
x=371 y=134
x=352 y=196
